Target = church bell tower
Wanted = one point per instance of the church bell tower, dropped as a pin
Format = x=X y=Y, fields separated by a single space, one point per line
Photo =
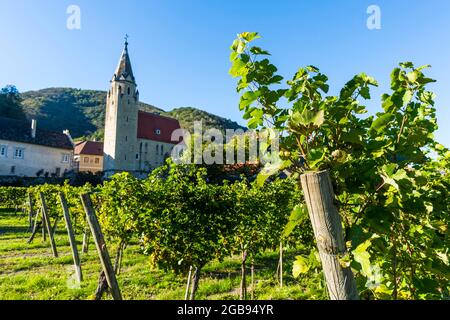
x=121 y=121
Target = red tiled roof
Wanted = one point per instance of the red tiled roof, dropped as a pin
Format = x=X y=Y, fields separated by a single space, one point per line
x=89 y=147
x=150 y=123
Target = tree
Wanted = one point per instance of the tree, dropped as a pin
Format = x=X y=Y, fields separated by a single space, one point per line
x=391 y=193
x=11 y=103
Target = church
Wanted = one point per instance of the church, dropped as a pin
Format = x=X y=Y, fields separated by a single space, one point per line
x=135 y=141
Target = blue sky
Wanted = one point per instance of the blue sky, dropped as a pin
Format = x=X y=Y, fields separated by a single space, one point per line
x=180 y=49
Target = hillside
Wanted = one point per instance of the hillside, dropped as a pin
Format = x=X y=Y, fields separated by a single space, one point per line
x=83 y=112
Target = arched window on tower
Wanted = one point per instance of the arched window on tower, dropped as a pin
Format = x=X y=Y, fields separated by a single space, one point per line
x=128 y=90
x=120 y=89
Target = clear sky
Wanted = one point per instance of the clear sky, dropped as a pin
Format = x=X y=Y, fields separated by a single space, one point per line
x=180 y=49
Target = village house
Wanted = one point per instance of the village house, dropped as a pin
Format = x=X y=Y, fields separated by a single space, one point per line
x=28 y=151
x=88 y=156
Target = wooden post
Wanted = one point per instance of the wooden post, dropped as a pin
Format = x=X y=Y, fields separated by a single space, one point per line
x=195 y=281
x=36 y=226
x=101 y=246
x=119 y=267
x=47 y=224
x=243 y=293
x=326 y=223
x=55 y=225
x=186 y=293
x=85 y=246
x=31 y=212
x=72 y=242
x=252 y=270
x=281 y=264
x=44 y=234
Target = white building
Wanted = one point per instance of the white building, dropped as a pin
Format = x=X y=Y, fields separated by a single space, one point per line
x=28 y=151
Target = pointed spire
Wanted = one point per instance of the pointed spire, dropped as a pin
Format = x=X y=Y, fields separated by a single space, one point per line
x=124 y=67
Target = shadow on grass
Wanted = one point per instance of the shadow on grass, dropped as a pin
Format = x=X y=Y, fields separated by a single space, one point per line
x=7 y=214
x=13 y=229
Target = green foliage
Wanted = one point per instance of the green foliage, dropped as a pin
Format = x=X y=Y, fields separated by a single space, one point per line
x=260 y=212
x=392 y=194
x=119 y=206
x=12 y=197
x=11 y=103
x=186 y=222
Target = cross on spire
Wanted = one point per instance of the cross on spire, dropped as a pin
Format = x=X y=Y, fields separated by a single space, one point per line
x=124 y=67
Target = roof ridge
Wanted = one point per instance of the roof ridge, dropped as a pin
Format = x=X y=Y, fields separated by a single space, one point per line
x=159 y=115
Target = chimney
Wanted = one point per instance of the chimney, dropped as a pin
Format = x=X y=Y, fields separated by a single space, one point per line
x=67 y=133
x=33 y=128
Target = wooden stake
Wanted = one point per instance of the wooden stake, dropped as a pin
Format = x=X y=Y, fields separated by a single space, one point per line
x=186 y=294
x=252 y=270
x=243 y=291
x=70 y=233
x=281 y=264
x=36 y=226
x=31 y=212
x=55 y=225
x=85 y=246
x=121 y=258
x=195 y=281
x=326 y=223
x=44 y=234
x=101 y=246
x=47 y=224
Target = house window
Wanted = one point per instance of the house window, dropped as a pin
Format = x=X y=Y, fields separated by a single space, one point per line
x=126 y=138
x=65 y=158
x=86 y=159
x=13 y=169
x=58 y=172
x=157 y=149
x=158 y=131
x=19 y=153
x=97 y=160
x=162 y=150
x=3 y=151
x=137 y=156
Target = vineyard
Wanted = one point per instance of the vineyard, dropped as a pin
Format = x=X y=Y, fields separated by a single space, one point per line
x=362 y=211
x=173 y=224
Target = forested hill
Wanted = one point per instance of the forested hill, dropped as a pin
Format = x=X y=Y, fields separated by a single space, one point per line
x=83 y=112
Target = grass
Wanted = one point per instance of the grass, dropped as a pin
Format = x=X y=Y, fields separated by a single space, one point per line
x=29 y=271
